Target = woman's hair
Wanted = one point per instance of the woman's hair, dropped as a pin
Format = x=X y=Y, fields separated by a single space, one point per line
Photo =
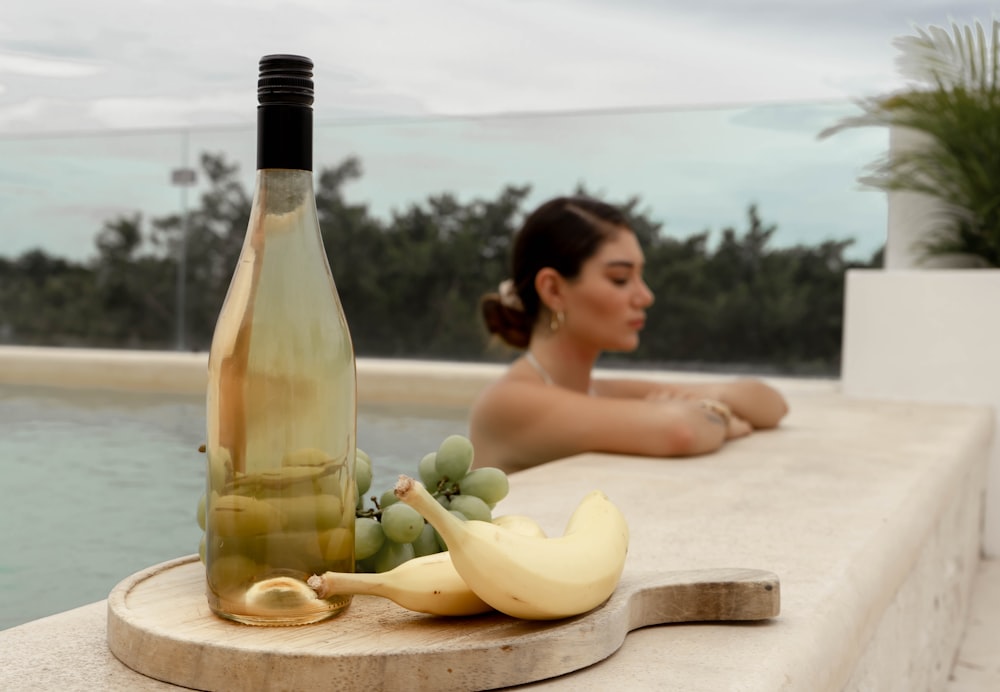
x=562 y=234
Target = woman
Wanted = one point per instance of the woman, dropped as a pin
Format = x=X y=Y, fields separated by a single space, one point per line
x=577 y=290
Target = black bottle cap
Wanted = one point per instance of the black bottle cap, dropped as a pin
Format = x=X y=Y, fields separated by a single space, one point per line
x=286 y=80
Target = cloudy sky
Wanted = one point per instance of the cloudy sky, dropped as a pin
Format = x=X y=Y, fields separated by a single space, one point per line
x=108 y=65
x=149 y=63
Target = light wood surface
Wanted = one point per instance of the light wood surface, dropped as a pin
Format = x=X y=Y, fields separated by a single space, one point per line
x=159 y=624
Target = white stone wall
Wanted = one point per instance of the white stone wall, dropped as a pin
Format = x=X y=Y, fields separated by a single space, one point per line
x=919 y=332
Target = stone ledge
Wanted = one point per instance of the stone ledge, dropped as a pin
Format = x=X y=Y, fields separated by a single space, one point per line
x=380 y=380
x=977 y=667
x=869 y=512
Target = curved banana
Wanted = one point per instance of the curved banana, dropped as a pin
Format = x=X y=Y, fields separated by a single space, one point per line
x=526 y=576
x=520 y=523
x=428 y=584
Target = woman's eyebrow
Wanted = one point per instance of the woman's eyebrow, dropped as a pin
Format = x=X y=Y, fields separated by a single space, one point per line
x=627 y=264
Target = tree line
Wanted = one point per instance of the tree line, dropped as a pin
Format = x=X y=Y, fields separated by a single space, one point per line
x=410 y=285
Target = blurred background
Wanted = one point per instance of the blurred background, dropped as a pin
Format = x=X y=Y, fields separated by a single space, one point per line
x=128 y=238
x=127 y=155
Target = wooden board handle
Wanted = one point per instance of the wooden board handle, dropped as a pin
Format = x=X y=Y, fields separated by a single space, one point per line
x=722 y=594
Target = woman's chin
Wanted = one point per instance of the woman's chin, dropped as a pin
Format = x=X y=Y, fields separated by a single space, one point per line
x=626 y=346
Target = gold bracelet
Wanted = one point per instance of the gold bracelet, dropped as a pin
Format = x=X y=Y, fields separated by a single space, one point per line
x=718 y=408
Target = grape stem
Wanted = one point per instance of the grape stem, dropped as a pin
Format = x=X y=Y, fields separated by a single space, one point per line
x=444 y=487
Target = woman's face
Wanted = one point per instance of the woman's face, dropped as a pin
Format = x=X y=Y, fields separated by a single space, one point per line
x=606 y=303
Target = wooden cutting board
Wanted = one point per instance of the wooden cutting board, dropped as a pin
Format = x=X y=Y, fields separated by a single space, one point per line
x=159 y=624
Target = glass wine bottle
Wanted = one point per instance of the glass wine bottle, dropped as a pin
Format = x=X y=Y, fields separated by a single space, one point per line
x=282 y=388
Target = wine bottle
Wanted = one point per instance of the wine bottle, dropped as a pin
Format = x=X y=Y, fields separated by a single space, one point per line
x=282 y=388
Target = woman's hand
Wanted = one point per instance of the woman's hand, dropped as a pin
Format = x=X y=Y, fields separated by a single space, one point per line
x=716 y=410
x=738 y=428
x=752 y=400
x=671 y=394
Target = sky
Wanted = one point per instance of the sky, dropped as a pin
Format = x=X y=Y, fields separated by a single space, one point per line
x=721 y=92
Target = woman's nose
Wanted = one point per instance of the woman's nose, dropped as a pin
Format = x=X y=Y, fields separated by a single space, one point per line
x=646 y=296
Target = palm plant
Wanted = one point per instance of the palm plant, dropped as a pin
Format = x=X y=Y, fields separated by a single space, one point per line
x=953 y=101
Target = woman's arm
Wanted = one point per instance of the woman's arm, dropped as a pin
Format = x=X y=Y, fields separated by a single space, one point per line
x=516 y=424
x=757 y=403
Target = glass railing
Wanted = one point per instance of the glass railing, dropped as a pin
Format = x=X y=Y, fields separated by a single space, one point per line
x=694 y=170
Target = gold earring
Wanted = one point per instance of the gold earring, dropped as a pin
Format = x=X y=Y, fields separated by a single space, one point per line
x=556 y=320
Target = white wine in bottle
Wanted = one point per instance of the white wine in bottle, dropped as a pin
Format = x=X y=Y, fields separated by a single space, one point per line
x=282 y=389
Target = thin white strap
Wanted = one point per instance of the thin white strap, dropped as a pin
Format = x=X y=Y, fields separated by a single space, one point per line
x=530 y=357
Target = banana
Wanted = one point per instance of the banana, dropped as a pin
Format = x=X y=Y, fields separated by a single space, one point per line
x=530 y=577
x=428 y=584
x=520 y=523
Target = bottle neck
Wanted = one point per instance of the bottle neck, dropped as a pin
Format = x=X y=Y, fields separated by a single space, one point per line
x=284 y=137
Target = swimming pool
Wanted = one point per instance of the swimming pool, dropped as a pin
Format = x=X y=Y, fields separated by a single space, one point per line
x=97 y=485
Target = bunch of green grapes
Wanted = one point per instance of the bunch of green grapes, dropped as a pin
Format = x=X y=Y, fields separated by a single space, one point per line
x=390 y=532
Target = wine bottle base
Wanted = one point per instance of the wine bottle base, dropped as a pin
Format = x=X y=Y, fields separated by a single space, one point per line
x=280 y=602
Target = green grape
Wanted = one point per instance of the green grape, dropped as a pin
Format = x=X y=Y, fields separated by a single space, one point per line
x=303 y=512
x=426 y=543
x=362 y=454
x=201 y=512
x=399 y=533
x=401 y=523
x=392 y=554
x=489 y=484
x=362 y=473
x=454 y=457
x=427 y=470
x=472 y=507
x=387 y=498
x=437 y=536
x=368 y=537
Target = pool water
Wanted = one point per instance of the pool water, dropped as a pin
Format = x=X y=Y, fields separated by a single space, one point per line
x=95 y=486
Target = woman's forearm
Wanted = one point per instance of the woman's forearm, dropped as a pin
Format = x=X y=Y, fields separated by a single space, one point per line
x=757 y=403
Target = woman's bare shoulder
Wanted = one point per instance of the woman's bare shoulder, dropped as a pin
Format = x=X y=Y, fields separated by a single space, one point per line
x=509 y=398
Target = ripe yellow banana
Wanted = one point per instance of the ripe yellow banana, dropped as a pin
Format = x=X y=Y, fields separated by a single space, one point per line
x=520 y=523
x=527 y=576
x=427 y=584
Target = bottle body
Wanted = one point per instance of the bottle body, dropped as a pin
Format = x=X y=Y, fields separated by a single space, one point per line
x=282 y=412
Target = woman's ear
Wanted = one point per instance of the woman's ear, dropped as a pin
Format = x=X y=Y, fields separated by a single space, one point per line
x=549 y=286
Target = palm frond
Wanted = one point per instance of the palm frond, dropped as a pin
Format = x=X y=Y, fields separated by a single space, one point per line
x=964 y=57
x=955 y=105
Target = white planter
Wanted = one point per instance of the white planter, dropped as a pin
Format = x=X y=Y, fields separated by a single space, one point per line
x=912 y=217
x=909 y=213
x=928 y=335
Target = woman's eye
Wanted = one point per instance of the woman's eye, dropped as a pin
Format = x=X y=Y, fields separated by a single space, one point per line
x=619 y=280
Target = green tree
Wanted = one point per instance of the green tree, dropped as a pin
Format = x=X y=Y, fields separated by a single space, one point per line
x=410 y=285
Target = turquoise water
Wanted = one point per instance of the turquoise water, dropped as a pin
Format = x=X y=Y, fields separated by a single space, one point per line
x=99 y=485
